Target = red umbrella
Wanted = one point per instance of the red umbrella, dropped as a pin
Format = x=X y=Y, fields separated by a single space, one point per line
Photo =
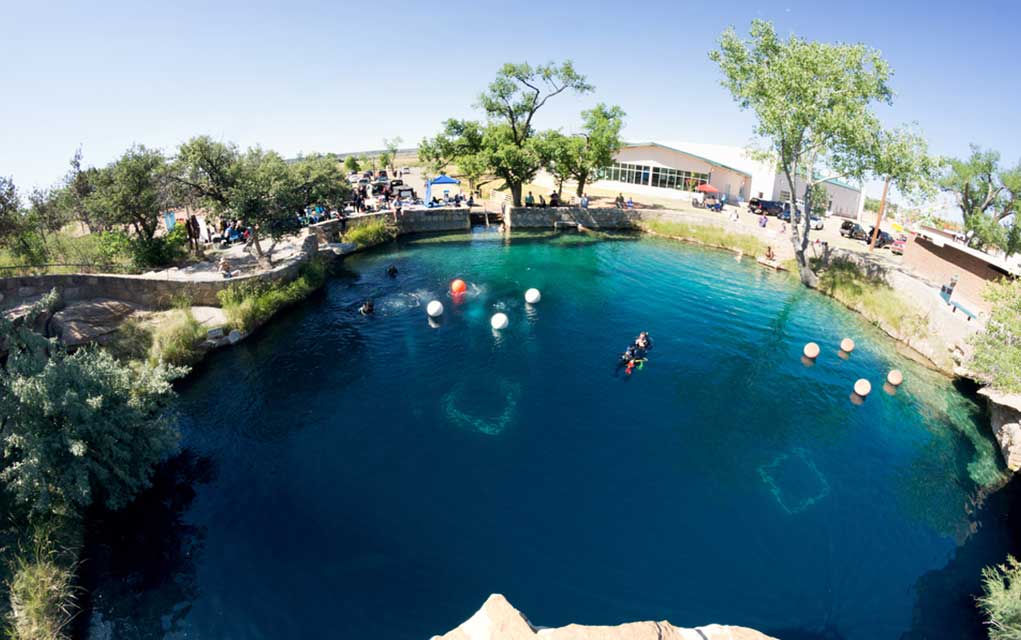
x=707 y=188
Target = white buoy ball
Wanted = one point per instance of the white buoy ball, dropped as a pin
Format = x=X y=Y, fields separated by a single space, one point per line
x=499 y=321
x=532 y=296
x=847 y=345
x=434 y=309
x=862 y=387
x=895 y=377
x=811 y=351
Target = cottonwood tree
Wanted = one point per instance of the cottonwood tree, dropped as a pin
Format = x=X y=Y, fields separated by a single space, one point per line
x=511 y=102
x=580 y=157
x=902 y=159
x=459 y=145
x=77 y=428
x=989 y=198
x=813 y=104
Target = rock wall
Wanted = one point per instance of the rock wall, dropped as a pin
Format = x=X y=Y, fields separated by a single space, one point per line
x=1005 y=416
x=550 y=217
x=498 y=620
x=145 y=291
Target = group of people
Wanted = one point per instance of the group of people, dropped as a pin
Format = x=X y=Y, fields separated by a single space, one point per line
x=621 y=203
x=636 y=354
x=233 y=231
x=554 y=200
x=368 y=307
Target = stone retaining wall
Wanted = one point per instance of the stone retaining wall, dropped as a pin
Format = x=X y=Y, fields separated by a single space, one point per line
x=414 y=221
x=549 y=217
x=145 y=291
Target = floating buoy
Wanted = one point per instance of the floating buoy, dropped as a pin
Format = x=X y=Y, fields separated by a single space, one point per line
x=862 y=387
x=499 y=321
x=811 y=351
x=532 y=296
x=458 y=286
x=847 y=345
x=895 y=377
x=434 y=309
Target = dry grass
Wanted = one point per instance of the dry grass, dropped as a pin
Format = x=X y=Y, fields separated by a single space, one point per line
x=708 y=235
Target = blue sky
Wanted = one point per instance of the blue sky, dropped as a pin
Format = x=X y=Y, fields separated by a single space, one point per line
x=341 y=76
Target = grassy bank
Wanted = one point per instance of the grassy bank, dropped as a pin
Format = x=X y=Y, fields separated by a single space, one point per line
x=250 y=304
x=370 y=234
x=871 y=296
x=708 y=235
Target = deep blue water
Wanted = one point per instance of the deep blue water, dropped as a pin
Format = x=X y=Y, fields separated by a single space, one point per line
x=356 y=477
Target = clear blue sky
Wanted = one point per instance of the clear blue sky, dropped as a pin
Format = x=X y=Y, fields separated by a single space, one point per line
x=306 y=76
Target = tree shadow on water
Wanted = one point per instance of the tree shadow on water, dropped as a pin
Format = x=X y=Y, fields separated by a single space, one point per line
x=138 y=572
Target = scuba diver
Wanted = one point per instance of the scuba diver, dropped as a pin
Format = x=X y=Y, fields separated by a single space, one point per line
x=367 y=308
x=392 y=271
x=643 y=342
x=635 y=355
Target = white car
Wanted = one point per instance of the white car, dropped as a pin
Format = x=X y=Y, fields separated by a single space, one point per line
x=815 y=223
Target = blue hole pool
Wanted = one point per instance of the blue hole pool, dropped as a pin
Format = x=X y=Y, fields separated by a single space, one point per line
x=354 y=477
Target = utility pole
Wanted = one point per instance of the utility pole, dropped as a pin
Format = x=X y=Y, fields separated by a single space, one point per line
x=879 y=218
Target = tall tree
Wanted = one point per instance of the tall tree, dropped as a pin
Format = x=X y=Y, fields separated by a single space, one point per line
x=392 y=146
x=580 y=157
x=511 y=102
x=73 y=197
x=11 y=216
x=209 y=170
x=989 y=198
x=351 y=164
x=318 y=179
x=133 y=192
x=813 y=104
x=902 y=159
x=79 y=428
x=458 y=146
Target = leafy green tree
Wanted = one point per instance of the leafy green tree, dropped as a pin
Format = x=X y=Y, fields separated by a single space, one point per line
x=18 y=229
x=133 y=192
x=902 y=159
x=511 y=102
x=318 y=179
x=80 y=428
x=392 y=146
x=998 y=347
x=580 y=157
x=989 y=198
x=208 y=169
x=459 y=144
x=351 y=164
x=1001 y=600
x=820 y=199
x=11 y=215
x=813 y=105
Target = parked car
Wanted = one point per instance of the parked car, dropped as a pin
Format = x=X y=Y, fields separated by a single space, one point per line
x=381 y=174
x=853 y=230
x=898 y=245
x=785 y=215
x=884 y=239
x=406 y=170
x=815 y=223
x=768 y=207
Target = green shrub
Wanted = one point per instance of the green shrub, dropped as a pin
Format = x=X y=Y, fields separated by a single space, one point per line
x=1001 y=600
x=369 y=234
x=176 y=341
x=710 y=235
x=132 y=341
x=998 y=347
x=160 y=251
x=250 y=304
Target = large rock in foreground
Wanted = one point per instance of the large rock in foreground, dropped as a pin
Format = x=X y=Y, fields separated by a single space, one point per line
x=1005 y=415
x=498 y=620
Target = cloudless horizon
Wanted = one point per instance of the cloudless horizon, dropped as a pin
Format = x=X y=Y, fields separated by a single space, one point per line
x=306 y=77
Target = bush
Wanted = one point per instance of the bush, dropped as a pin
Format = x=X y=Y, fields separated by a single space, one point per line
x=998 y=347
x=369 y=234
x=160 y=251
x=176 y=341
x=1001 y=602
x=132 y=342
x=710 y=235
x=250 y=304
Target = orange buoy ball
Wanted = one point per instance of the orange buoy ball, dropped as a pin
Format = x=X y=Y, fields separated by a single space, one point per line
x=811 y=351
x=895 y=377
x=862 y=387
x=847 y=345
x=458 y=286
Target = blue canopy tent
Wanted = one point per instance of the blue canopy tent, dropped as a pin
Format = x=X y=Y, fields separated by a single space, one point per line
x=440 y=179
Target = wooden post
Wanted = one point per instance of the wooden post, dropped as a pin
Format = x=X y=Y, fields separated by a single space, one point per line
x=879 y=218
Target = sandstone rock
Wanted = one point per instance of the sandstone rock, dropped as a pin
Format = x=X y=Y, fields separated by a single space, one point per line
x=498 y=620
x=1005 y=416
x=83 y=322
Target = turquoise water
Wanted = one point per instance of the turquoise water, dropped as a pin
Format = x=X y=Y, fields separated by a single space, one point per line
x=357 y=477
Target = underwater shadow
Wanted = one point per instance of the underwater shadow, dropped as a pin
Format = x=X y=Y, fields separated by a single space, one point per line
x=138 y=572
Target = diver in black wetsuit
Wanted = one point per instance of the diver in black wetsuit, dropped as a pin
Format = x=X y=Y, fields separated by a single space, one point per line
x=367 y=308
x=392 y=271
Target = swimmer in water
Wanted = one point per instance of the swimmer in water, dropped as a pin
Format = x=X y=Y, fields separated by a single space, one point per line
x=391 y=271
x=367 y=308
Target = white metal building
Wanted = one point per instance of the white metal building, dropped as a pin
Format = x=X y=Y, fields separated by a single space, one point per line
x=675 y=170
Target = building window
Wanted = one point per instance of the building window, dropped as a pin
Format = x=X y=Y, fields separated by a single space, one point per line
x=785 y=196
x=661 y=177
